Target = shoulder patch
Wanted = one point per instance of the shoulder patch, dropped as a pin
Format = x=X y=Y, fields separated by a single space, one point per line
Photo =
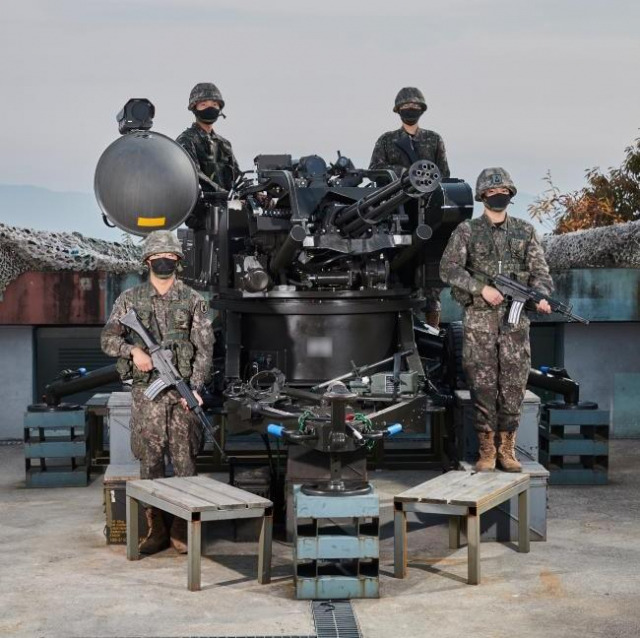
x=203 y=306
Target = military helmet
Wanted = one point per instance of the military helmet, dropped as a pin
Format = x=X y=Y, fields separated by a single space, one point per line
x=495 y=177
x=205 y=91
x=161 y=241
x=409 y=94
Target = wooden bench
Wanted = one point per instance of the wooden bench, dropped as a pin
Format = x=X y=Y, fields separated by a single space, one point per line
x=461 y=496
x=197 y=499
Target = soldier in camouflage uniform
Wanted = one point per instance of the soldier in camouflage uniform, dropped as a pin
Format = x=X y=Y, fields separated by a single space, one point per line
x=176 y=316
x=496 y=356
x=398 y=150
x=211 y=152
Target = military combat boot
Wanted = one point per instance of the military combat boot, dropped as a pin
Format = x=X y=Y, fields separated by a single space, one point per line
x=487 y=460
x=157 y=537
x=178 y=534
x=507 y=452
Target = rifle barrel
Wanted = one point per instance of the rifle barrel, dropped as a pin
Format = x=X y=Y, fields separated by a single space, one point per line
x=534 y=295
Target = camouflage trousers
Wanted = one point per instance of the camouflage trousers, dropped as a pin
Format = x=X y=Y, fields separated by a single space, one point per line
x=496 y=360
x=160 y=427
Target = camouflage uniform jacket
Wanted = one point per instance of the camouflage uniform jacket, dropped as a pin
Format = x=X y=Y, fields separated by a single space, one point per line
x=397 y=150
x=178 y=320
x=212 y=154
x=511 y=248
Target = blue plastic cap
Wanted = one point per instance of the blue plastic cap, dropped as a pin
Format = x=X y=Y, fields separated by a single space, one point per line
x=275 y=429
x=396 y=428
x=544 y=369
x=82 y=371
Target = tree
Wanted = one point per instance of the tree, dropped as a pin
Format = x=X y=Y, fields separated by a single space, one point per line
x=606 y=199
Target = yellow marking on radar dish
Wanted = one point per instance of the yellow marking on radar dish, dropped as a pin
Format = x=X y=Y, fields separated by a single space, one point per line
x=151 y=222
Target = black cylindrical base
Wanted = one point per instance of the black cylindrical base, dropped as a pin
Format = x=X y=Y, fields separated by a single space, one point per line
x=343 y=488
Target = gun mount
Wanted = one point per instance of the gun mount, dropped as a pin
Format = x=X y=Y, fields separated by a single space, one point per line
x=559 y=381
x=311 y=268
x=335 y=432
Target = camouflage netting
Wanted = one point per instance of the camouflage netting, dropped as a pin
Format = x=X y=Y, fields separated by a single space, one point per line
x=616 y=246
x=22 y=249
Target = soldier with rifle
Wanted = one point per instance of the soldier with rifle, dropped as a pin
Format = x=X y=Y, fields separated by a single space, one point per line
x=175 y=317
x=496 y=354
x=399 y=149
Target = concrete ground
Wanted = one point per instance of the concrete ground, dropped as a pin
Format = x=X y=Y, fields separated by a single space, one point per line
x=59 y=578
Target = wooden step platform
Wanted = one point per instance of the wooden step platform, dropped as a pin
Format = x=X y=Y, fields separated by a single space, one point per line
x=197 y=499
x=461 y=495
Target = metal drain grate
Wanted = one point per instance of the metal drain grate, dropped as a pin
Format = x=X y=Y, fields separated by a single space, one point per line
x=332 y=618
x=335 y=619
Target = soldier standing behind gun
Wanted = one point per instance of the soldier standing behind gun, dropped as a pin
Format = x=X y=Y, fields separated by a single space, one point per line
x=496 y=357
x=399 y=149
x=402 y=147
x=211 y=152
x=176 y=316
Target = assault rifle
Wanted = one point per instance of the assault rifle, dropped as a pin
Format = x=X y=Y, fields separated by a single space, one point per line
x=519 y=295
x=169 y=377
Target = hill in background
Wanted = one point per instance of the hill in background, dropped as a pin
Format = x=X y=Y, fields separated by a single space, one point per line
x=44 y=209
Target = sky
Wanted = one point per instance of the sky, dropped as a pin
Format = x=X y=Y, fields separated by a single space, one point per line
x=550 y=85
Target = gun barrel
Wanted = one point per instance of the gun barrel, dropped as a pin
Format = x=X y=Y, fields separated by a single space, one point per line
x=421 y=234
x=575 y=317
x=352 y=212
x=421 y=178
x=512 y=286
x=568 y=388
x=567 y=311
x=289 y=249
x=60 y=388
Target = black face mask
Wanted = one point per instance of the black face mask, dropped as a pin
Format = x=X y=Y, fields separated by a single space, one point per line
x=163 y=267
x=208 y=115
x=410 y=116
x=498 y=202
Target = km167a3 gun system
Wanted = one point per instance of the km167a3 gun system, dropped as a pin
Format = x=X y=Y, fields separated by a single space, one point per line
x=317 y=272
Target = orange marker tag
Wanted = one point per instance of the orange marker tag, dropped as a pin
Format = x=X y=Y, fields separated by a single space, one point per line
x=151 y=222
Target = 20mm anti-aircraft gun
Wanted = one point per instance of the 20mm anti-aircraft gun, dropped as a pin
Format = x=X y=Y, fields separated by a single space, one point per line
x=317 y=272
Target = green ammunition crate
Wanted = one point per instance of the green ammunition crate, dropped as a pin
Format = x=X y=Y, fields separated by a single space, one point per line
x=115 y=503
